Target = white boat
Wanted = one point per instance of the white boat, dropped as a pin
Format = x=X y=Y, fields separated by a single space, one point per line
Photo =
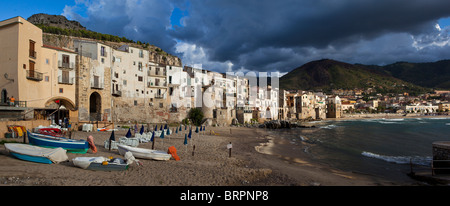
x=100 y=163
x=103 y=163
x=37 y=154
x=144 y=153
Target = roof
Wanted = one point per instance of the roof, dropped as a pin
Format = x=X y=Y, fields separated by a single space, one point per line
x=59 y=49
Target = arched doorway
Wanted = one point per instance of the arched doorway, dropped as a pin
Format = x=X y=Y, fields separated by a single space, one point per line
x=95 y=107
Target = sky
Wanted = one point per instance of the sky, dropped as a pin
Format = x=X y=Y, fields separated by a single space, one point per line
x=266 y=35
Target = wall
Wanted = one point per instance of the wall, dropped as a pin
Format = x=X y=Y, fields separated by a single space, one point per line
x=28 y=125
x=8 y=55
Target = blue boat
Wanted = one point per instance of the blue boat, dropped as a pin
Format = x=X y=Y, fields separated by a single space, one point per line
x=36 y=154
x=73 y=146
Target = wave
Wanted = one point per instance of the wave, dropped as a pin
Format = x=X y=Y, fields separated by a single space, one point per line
x=331 y=126
x=381 y=122
x=393 y=119
x=418 y=160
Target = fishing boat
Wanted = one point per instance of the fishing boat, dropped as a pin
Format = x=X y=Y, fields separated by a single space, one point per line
x=56 y=132
x=144 y=153
x=100 y=163
x=73 y=146
x=36 y=154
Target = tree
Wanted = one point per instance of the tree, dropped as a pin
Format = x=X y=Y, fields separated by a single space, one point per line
x=196 y=116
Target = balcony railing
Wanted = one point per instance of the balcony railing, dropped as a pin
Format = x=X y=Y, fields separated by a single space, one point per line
x=62 y=80
x=117 y=93
x=97 y=85
x=14 y=104
x=161 y=96
x=34 y=75
x=66 y=65
x=33 y=54
x=156 y=84
x=156 y=73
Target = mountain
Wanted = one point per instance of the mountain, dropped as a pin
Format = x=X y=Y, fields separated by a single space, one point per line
x=431 y=75
x=55 y=21
x=327 y=75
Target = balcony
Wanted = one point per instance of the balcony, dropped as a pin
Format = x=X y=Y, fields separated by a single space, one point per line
x=156 y=84
x=34 y=75
x=157 y=73
x=117 y=93
x=66 y=65
x=97 y=85
x=65 y=80
x=33 y=54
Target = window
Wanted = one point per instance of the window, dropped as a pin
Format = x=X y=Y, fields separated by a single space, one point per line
x=125 y=82
x=31 y=74
x=135 y=103
x=32 y=49
x=61 y=90
x=170 y=79
x=65 y=77
x=47 y=78
x=65 y=61
x=140 y=78
x=103 y=51
x=47 y=61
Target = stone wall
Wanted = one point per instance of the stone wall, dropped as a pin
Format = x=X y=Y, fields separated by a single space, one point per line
x=158 y=111
x=85 y=91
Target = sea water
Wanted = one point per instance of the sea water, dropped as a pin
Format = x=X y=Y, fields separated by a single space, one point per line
x=379 y=147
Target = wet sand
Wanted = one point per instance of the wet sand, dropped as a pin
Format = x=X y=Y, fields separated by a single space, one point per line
x=256 y=160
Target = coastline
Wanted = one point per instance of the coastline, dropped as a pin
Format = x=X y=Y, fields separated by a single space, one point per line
x=386 y=116
x=257 y=160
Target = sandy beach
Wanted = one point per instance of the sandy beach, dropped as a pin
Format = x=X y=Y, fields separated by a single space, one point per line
x=252 y=163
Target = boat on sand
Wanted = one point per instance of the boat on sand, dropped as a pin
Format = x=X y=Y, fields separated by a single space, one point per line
x=105 y=164
x=100 y=163
x=36 y=154
x=71 y=145
x=144 y=153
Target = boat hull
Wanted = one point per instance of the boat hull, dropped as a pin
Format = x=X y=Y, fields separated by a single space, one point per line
x=72 y=146
x=29 y=158
x=36 y=154
x=144 y=153
x=95 y=163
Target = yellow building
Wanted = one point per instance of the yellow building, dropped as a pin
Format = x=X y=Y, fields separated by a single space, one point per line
x=37 y=76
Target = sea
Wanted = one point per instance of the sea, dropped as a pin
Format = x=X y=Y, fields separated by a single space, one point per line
x=379 y=147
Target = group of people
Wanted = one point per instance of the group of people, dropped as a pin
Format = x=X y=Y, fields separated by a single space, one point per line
x=64 y=123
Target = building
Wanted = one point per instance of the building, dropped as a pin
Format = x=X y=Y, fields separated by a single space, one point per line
x=39 y=77
x=334 y=107
x=94 y=81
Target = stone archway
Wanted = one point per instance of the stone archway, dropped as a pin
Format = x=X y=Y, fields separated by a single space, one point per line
x=95 y=107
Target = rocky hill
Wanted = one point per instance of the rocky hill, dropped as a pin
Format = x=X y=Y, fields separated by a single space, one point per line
x=55 y=21
x=327 y=75
x=59 y=32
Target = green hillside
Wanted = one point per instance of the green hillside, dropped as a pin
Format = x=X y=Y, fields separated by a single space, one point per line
x=432 y=75
x=328 y=74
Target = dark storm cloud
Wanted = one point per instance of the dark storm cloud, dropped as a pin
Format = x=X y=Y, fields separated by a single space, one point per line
x=145 y=21
x=265 y=35
x=232 y=29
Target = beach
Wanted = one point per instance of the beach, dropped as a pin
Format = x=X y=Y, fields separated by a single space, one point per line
x=253 y=162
